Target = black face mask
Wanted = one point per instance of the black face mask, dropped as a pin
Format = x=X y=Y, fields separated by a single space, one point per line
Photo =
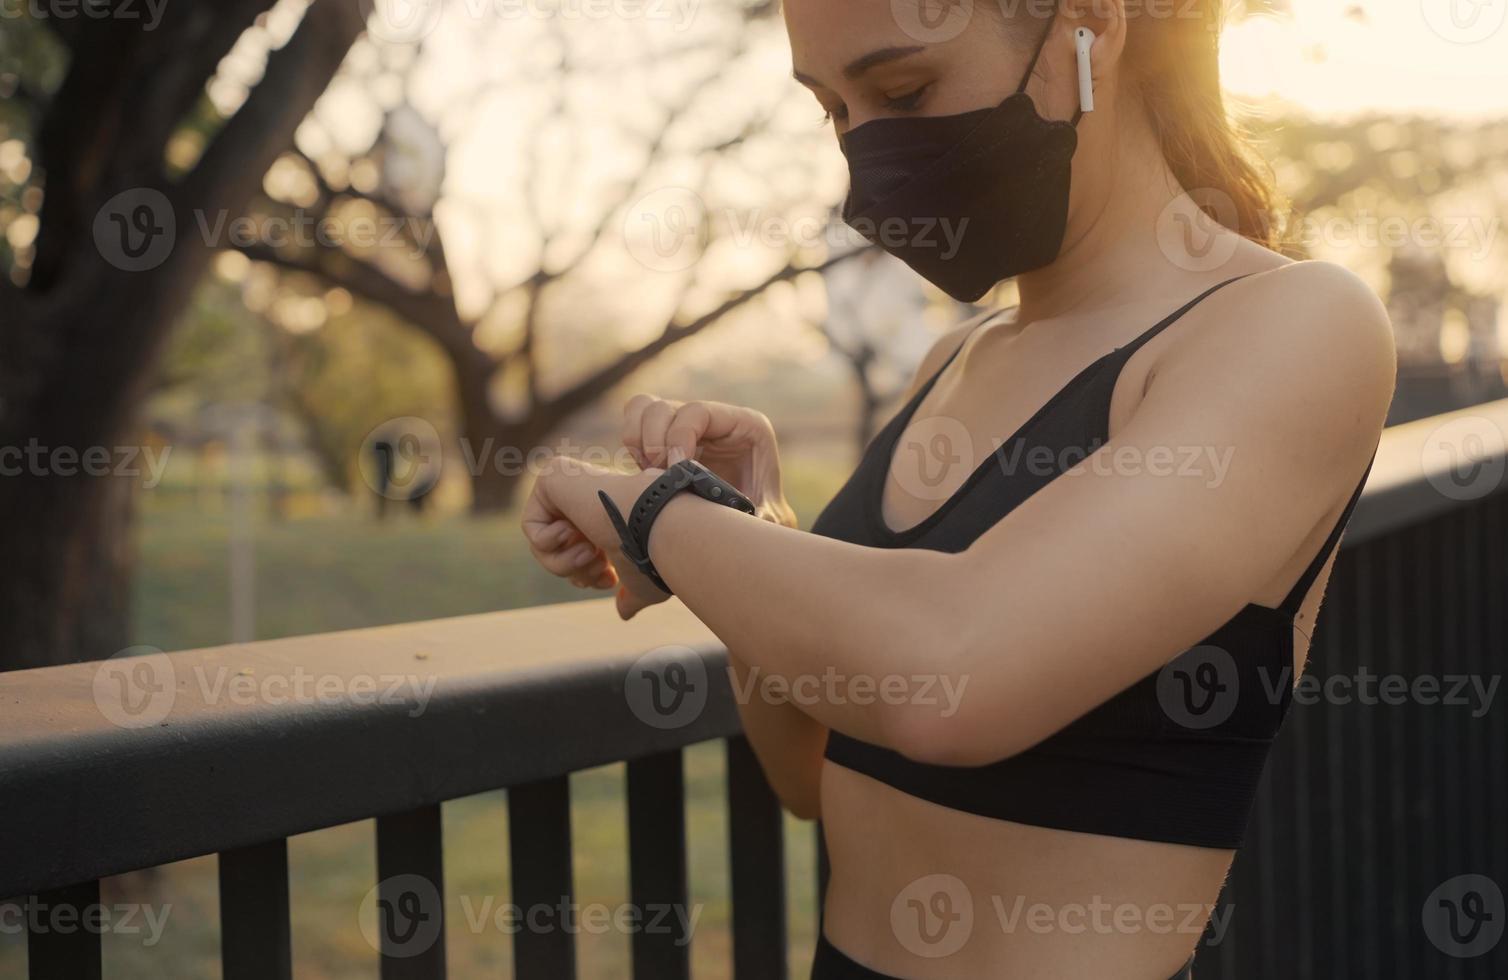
x=965 y=200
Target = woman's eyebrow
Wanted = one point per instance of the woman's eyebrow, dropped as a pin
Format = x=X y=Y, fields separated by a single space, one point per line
x=859 y=66
x=862 y=64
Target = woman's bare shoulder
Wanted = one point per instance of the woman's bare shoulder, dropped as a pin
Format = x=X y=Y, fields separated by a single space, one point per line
x=1305 y=348
x=1326 y=313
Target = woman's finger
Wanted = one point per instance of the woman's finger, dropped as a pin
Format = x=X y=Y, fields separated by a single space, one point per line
x=564 y=562
x=552 y=536
x=715 y=427
x=589 y=572
x=691 y=426
x=633 y=426
x=654 y=424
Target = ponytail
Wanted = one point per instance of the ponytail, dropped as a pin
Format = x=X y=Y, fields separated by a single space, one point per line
x=1173 y=61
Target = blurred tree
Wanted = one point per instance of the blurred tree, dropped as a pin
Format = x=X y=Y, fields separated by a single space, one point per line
x=115 y=153
x=875 y=313
x=1416 y=205
x=656 y=224
x=328 y=372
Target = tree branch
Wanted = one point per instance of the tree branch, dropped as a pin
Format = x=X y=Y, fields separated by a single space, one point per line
x=594 y=386
x=432 y=313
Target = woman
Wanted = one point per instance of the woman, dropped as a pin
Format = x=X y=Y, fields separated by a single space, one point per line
x=1048 y=629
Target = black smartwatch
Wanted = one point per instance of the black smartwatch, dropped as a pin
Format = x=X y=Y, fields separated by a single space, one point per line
x=685 y=475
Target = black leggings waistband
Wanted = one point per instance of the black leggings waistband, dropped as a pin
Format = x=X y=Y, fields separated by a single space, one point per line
x=832 y=964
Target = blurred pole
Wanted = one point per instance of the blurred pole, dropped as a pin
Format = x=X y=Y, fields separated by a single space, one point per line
x=243 y=558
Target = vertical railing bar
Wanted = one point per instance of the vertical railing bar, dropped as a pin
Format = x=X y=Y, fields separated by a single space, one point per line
x=1449 y=659
x=56 y=952
x=411 y=895
x=1473 y=792
x=1448 y=758
x=756 y=851
x=1392 y=597
x=1496 y=639
x=1332 y=662
x=539 y=848
x=1302 y=858
x=657 y=871
x=1361 y=592
x=1422 y=736
x=1468 y=728
x=255 y=925
x=824 y=872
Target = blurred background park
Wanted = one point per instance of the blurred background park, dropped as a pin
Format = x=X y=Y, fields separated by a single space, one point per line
x=324 y=276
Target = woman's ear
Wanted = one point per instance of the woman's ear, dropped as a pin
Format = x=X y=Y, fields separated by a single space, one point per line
x=1107 y=19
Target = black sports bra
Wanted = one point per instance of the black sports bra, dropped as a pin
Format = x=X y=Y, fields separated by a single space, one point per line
x=1176 y=757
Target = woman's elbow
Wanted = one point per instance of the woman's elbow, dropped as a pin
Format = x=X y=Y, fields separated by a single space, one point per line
x=962 y=738
x=806 y=805
x=799 y=793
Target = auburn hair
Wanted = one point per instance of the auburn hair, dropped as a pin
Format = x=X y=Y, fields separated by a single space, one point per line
x=1173 y=63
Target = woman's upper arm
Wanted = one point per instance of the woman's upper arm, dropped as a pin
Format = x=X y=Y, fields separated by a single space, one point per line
x=1241 y=446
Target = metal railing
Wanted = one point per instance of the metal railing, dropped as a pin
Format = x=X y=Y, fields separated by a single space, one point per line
x=1374 y=851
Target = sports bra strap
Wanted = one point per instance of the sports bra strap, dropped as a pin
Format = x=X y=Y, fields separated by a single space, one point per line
x=1130 y=348
x=1295 y=598
x=1188 y=307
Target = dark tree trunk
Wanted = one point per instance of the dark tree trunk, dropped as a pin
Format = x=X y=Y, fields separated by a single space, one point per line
x=870 y=400
x=79 y=343
x=66 y=585
x=493 y=492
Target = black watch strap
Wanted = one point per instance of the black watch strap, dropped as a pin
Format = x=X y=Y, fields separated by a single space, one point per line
x=685 y=475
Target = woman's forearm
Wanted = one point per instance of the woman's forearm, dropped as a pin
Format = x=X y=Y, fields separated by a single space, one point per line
x=864 y=640
x=788 y=742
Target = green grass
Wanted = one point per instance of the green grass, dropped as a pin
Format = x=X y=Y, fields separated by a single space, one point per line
x=322 y=573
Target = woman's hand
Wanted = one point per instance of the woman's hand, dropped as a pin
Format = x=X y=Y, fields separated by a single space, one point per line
x=571 y=536
x=737 y=444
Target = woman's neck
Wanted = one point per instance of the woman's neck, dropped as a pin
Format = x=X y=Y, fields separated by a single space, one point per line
x=1129 y=233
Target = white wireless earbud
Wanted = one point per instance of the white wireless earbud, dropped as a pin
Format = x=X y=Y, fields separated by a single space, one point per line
x=1084 y=40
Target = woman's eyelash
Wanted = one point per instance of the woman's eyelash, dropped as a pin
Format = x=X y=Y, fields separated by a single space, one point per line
x=908 y=101
x=899 y=103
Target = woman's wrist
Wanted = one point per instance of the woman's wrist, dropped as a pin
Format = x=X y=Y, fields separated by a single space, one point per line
x=573 y=485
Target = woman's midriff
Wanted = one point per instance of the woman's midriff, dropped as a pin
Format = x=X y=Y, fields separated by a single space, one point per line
x=923 y=892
